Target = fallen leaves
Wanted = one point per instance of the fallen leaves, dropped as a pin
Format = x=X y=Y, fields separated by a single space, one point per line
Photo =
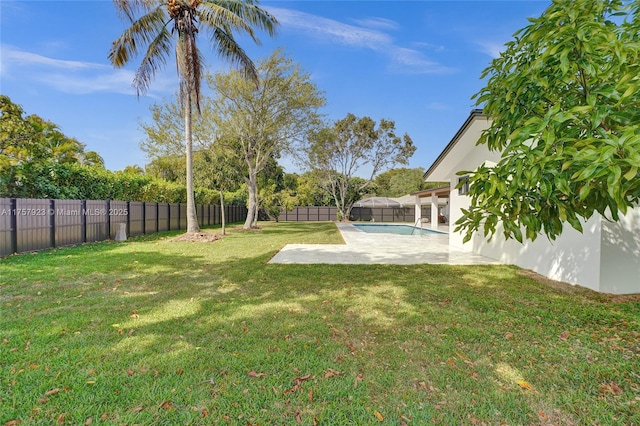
x=610 y=388
x=331 y=372
x=52 y=392
x=297 y=384
x=357 y=380
x=254 y=374
x=524 y=384
x=379 y=416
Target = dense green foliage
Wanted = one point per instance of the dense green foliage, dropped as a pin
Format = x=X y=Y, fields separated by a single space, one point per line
x=338 y=152
x=401 y=181
x=76 y=182
x=34 y=139
x=564 y=100
x=256 y=124
x=39 y=161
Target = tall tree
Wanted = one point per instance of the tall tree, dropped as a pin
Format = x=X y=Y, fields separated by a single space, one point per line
x=564 y=100
x=52 y=144
x=221 y=170
x=158 y=24
x=350 y=146
x=260 y=122
x=399 y=182
x=34 y=139
x=17 y=136
x=309 y=190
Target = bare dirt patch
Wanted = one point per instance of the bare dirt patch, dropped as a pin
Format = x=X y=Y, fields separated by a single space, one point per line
x=197 y=237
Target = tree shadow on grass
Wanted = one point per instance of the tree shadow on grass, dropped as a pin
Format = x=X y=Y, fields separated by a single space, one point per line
x=187 y=323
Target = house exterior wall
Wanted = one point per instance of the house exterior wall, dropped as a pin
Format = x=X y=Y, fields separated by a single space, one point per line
x=572 y=257
x=604 y=258
x=620 y=263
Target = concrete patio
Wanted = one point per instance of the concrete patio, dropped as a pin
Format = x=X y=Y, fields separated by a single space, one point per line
x=365 y=248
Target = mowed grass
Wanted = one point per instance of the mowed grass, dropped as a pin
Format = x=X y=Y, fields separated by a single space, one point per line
x=157 y=332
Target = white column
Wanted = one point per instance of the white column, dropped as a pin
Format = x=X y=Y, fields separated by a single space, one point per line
x=434 y=211
x=417 y=210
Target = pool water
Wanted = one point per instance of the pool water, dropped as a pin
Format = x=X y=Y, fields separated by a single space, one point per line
x=379 y=228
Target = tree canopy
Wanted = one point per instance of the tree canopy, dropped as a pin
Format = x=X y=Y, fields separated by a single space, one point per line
x=564 y=103
x=258 y=123
x=351 y=145
x=34 y=139
x=399 y=182
x=158 y=26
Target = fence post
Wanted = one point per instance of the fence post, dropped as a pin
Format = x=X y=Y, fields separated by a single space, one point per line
x=13 y=205
x=128 y=218
x=144 y=218
x=108 y=218
x=52 y=223
x=83 y=220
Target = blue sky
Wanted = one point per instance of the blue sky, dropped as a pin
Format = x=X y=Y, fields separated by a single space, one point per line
x=415 y=62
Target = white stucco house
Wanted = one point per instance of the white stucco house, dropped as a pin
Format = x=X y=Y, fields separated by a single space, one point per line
x=604 y=258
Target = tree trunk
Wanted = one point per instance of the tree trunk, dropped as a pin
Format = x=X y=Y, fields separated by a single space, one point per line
x=253 y=200
x=192 y=218
x=256 y=212
x=222 y=216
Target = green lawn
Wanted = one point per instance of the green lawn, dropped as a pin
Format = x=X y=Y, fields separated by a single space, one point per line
x=157 y=332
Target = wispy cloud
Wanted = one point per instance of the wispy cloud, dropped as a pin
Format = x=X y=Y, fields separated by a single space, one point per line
x=491 y=48
x=403 y=59
x=68 y=76
x=23 y=58
x=380 y=23
x=429 y=46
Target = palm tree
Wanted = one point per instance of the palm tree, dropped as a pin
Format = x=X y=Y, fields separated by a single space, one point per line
x=155 y=23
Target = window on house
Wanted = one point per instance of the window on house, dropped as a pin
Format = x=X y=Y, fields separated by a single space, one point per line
x=463 y=185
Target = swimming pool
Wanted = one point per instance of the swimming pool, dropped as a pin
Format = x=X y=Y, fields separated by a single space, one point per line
x=381 y=228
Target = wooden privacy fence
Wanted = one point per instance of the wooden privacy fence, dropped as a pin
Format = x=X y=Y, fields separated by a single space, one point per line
x=377 y=214
x=35 y=224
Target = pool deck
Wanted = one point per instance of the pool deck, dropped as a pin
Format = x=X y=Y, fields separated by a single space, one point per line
x=368 y=248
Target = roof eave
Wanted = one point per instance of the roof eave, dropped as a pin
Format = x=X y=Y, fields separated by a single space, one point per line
x=475 y=113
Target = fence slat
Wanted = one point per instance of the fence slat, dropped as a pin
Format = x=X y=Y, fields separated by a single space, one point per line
x=329 y=213
x=36 y=224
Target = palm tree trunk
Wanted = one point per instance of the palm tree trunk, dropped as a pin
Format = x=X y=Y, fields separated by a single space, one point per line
x=192 y=218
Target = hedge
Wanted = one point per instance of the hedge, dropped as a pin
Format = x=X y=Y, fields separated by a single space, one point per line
x=78 y=182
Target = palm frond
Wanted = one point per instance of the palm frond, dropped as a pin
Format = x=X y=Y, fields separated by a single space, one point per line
x=141 y=32
x=228 y=48
x=241 y=15
x=128 y=9
x=158 y=52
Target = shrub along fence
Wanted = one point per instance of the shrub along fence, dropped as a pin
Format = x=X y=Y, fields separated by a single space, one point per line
x=376 y=214
x=28 y=224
